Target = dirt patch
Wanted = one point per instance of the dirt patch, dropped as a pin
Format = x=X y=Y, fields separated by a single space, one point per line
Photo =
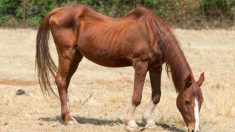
x=17 y=82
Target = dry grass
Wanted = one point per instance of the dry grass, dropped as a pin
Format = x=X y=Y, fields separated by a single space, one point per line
x=99 y=100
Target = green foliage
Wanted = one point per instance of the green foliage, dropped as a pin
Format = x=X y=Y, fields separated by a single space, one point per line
x=7 y=9
x=9 y=21
x=181 y=13
x=38 y=9
x=217 y=8
x=9 y=6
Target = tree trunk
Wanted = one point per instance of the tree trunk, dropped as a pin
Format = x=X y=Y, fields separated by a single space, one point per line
x=138 y=2
x=25 y=4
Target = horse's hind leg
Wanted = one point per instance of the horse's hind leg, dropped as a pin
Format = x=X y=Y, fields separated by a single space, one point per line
x=66 y=69
x=69 y=58
x=155 y=79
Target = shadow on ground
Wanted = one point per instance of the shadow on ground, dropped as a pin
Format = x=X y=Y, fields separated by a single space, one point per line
x=51 y=119
x=100 y=122
x=83 y=120
x=170 y=128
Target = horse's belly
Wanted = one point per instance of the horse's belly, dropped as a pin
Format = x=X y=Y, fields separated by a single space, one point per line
x=117 y=62
x=109 y=61
x=105 y=56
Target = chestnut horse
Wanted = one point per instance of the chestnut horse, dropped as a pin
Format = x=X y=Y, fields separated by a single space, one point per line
x=140 y=39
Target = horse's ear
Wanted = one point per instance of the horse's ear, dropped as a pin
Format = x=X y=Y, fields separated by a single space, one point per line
x=188 y=81
x=201 y=79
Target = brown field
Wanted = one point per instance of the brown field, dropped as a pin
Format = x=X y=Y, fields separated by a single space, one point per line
x=100 y=96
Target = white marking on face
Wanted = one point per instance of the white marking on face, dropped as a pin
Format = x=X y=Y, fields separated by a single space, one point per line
x=196 y=115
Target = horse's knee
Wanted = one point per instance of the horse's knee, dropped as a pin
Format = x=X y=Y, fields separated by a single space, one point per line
x=156 y=98
x=136 y=99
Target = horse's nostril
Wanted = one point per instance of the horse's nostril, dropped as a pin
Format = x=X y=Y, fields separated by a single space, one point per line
x=192 y=130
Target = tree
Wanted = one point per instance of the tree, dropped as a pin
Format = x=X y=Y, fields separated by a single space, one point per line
x=25 y=5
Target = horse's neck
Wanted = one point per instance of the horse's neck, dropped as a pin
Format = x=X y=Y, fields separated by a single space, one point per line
x=177 y=63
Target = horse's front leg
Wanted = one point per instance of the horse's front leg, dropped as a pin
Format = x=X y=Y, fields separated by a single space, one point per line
x=155 y=79
x=141 y=68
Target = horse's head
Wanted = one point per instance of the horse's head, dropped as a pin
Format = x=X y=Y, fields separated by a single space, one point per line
x=189 y=102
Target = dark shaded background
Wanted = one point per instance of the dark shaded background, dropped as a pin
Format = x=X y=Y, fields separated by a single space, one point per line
x=179 y=13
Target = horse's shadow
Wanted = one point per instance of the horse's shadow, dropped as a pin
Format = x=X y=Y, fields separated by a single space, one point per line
x=171 y=128
x=83 y=120
x=100 y=122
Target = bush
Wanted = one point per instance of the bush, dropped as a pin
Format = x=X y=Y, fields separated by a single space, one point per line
x=9 y=13
x=9 y=7
x=9 y=21
x=38 y=9
x=214 y=9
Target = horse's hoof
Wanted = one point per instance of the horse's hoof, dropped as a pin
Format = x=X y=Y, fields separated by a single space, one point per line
x=150 y=124
x=134 y=129
x=71 y=122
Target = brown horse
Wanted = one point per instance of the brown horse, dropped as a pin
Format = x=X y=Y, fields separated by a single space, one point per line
x=141 y=39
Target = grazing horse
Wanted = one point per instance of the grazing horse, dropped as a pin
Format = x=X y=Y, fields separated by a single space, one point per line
x=140 y=39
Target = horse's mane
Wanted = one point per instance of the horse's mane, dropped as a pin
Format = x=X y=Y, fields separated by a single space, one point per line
x=176 y=63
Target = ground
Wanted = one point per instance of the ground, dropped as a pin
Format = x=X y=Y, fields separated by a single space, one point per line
x=100 y=96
